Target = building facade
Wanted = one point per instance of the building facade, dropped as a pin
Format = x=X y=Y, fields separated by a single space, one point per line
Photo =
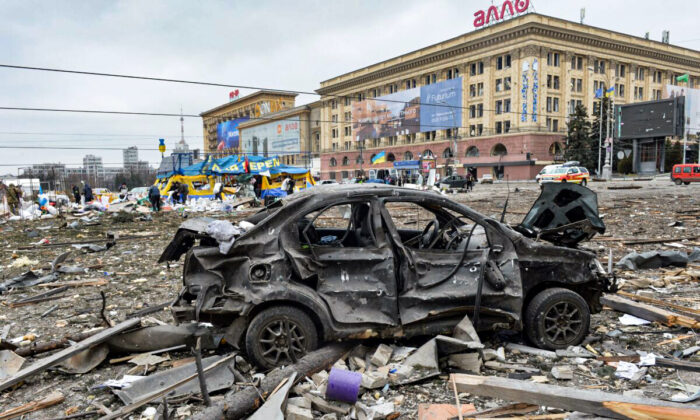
x=220 y=124
x=518 y=80
x=131 y=156
x=93 y=168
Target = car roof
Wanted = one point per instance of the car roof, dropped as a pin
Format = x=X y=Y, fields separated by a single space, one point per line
x=358 y=190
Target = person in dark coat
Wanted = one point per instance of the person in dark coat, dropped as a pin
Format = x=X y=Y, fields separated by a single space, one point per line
x=76 y=194
x=87 y=192
x=183 y=190
x=175 y=189
x=154 y=197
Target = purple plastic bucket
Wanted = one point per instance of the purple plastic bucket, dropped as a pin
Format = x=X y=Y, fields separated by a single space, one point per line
x=343 y=385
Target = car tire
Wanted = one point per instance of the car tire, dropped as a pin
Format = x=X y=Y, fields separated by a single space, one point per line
x=686 y=183
x=557 y=318
x=563 y=181
x=584 y=182
x=677 y=181
x=266 y=339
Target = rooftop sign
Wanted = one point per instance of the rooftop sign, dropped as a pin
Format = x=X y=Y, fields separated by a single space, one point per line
x=492 y=15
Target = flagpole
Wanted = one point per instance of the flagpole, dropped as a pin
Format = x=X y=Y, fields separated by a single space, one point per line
x=600 y=138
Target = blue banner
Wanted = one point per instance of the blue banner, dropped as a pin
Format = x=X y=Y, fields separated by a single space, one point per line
x=227 y=134
x=447 y=111
x=407 y=164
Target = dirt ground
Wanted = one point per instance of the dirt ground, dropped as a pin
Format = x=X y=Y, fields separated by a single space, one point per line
x=134 y=280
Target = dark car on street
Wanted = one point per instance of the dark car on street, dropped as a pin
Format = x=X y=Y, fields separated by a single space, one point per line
x=362 y=261
x=454 y=181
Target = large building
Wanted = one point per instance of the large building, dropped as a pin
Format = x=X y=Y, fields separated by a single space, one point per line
x=221 y=136
x=495 y=100
x=131 y=156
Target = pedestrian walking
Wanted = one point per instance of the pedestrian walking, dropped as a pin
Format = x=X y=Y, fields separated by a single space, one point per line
x=76 y=194
x=154 y=197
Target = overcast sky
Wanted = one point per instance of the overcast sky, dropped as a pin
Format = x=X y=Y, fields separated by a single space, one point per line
x=275 y=44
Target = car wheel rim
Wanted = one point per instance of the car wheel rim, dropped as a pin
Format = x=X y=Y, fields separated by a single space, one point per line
x=562 y=323
x=282 y=341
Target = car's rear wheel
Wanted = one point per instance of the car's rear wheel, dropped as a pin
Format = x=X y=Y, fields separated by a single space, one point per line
x=677 y=181
x=563 y=181
x=686 y=183
x=557 y=318
x=584 y=182
x=280 y=335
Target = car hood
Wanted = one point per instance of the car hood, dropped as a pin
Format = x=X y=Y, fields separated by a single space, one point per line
x=564 y=214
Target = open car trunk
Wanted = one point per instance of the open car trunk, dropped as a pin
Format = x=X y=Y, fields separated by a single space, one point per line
x=564 y=214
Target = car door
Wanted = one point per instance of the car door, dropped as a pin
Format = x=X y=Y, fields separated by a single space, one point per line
x=438 y=281
x=351 y=261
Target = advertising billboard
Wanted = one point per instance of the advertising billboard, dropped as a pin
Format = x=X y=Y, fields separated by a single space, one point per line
x=274 y=138
x=227 y=135
x=651 y=119
x=409 y=111
x=692 y=105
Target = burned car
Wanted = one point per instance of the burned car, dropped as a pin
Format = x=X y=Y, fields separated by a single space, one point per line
x=381 y=261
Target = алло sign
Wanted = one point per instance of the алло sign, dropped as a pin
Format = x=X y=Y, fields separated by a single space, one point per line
x=482 y=18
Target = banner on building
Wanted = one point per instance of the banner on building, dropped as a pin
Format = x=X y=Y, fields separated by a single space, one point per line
x=274 y=138
x=692 y=105
x=437 y=106
x=227 y=134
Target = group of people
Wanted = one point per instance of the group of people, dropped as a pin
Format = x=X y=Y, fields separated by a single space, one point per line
x=87 y=192
x=180 y=192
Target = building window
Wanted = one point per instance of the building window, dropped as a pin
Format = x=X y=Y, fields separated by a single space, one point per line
x=499 y=85
x=476 y=68
x=447 y=153
x=506 y=105
x=374 y=93
x=348 y=101
x=410 y=84
x=452 y=73
x=480 y=89
x=506 y=126
x=334 y=133
x=331 y=175
x=620 y=70
x=576 y=63
x=549 y=104
x=408 y=156
x=390 y=157
x=620 y=90
x=479 y=110
x=657 y=77
x=553 y=82
x=472 y=111
x=506 y=83
x=499 y=127
x=503 y=62
x=499 y=150
x=499 y=107
x=393 y=88
x=348 y=131
x=599 y=67
x=333 y=162
x=579 y=85
x=334 y=118
x=639 y=93
x=472 y=91
x=640 y=73
x=334 y=104
x=553 y=59
x=346 y=161
x=479 y=129
x=472 y=151
x=348 y=116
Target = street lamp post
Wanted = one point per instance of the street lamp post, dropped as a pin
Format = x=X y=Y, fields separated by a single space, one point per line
x=607 y=168
x=454 y=136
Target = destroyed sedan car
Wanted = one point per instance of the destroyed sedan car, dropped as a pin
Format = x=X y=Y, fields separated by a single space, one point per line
x=352 y=261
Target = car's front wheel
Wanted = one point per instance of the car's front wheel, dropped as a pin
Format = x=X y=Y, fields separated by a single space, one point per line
x=280 y=335
x=677 y=181
x=557 y=318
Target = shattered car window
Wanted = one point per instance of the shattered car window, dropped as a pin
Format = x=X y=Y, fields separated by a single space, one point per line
x=342 y=225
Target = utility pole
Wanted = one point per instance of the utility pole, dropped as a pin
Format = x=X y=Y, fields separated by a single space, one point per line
x=600 y=137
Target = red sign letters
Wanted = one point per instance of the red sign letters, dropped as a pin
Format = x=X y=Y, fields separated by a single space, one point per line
x=482 y=18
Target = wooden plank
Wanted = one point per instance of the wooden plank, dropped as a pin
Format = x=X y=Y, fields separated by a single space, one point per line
x=79 y=283
x=648 y=312
x=64 y=354
x=678 y=364
x=658 y=240
x=660 y=302
x=572 y=399
x=52 y=399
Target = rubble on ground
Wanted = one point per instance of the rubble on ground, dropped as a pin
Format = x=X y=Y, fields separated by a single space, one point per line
x=50 y=291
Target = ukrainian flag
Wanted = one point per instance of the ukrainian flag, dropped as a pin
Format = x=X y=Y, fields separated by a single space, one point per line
x=610 y=92
x=379 y=158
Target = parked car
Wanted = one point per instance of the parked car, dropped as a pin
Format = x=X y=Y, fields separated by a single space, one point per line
x=137 y=193
x=564 y=174
x=352 y=262
x=453 y=181
x=486 y=179
x=685 y=173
